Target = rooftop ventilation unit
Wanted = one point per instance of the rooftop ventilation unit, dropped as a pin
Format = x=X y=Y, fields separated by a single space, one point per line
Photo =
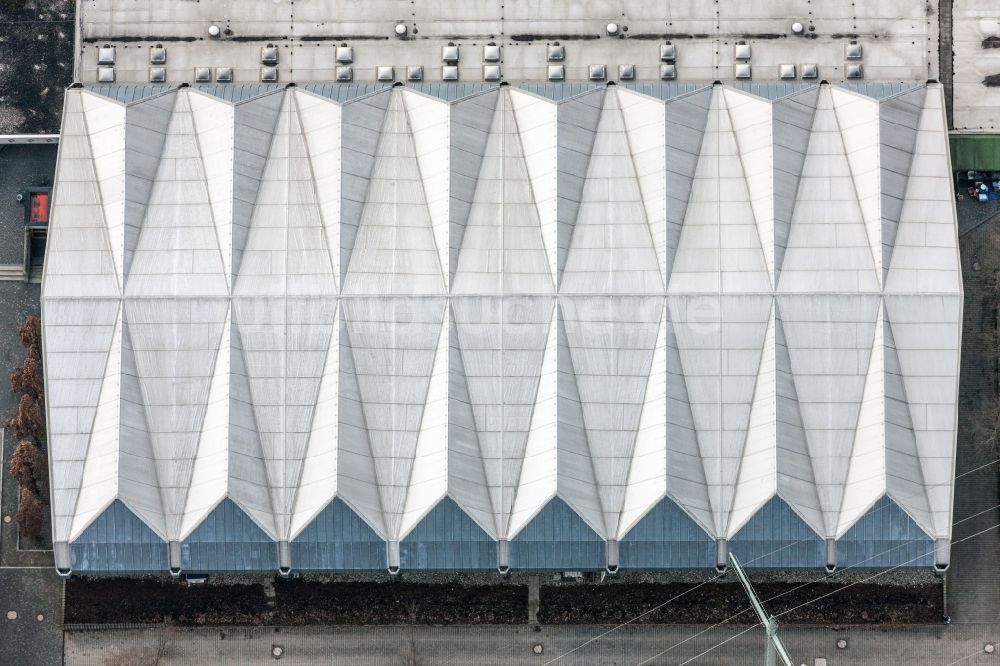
x=557 y=72
x=268 y=74
x=224 y=74
x=213 y=31
x=385 y=73
x=598 y=72
x=344 y=74
x=449 y=73
x=797 y=28
x=449 y=53
x=668 y=72
x=786 y=71
x=742 y=51
x=157 y=74
x=400 y=30
x=269 y=55
x=853 y=51
x=202 y=74
x=855 y=71
x=626 y=72
x=810 y=70
x=668 y=52
x=743 y=71
x=491 y=53
x=612 y=28
x=491 y=72
x=157 y=55
x=106 y=74
x=345 y=55
x=106 y=55
x=415 y=73
x=556 y=53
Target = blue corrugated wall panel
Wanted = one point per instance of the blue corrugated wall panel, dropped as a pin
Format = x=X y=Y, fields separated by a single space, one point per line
x=878 y=90
x=665 y=90
x=885 y=537
x=666 y=538
x=771 y=90
x=447 y=538
x=128 y=93
x=557 y=538
x=228 y=540
x=118 y=541
x=338 y=540
x=238 y=92
x=559 y=91
x=776 y=537
x=451 y=91
x=345 y=92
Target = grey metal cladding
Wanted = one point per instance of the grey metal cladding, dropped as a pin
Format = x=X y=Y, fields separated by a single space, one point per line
x=362 y=121
x=254 y=123
x=899 y=117
x=470 y=127
x=577 y=126
x=686 y=118
x=792 y=119
x=145 y=133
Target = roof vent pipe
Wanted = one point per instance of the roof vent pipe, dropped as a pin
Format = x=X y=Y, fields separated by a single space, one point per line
x=174 y=557
x=831 y=555
x=942 y=555
x=284 y=558
x=392 y=556
x=612 y=556
x=503 y=556
x=721 y=555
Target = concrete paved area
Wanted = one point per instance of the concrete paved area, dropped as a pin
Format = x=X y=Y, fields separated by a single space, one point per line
x=371 y=646
x=26 y=640
x=899 y=37
x=976 y=45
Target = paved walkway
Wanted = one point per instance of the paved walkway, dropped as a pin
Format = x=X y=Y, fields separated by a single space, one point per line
x=28 y=581
x=445 y=646
x=974 y=578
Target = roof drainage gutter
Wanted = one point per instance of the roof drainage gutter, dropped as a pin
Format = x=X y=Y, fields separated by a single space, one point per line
x=63 y=558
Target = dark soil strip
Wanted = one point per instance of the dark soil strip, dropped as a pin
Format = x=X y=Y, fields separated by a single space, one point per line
x=398 y=602
x=111 y=600
x=858 y=604
x=295 y=602
x=304 y=602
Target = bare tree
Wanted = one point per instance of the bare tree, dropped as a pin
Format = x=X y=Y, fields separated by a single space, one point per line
x=27 y=466
x=26 y=378
x=30 y=420
x=29 y=514
x=30 y=333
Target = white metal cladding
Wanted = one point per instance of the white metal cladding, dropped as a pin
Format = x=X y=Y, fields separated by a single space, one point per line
x=613 y=298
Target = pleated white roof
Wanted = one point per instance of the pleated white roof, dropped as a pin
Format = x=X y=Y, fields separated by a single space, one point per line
x=718 y=298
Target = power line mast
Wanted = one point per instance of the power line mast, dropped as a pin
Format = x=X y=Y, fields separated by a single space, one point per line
x=774 y=646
